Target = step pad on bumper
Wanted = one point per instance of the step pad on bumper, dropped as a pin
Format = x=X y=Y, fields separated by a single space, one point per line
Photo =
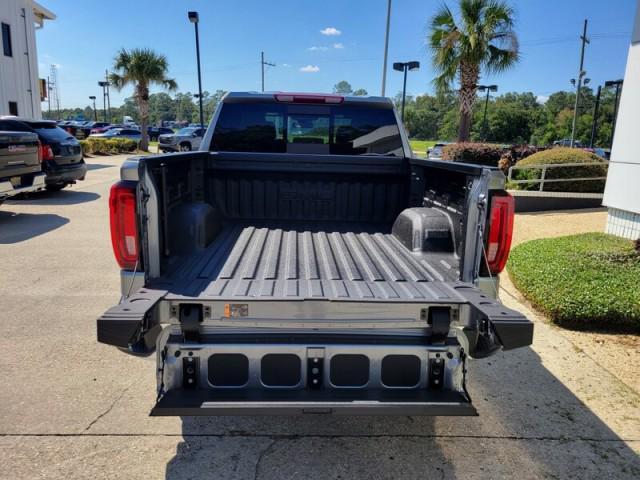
x=179 y=402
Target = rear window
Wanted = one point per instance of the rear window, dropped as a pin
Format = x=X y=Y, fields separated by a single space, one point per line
x=51 y=132
x=314 y=129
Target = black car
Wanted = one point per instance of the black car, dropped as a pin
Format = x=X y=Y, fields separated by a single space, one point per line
x=62 y=159
x=155 y=132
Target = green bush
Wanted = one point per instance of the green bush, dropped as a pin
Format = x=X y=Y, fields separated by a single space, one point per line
x=586 y=281
x=104 y=146
x=562 y=155
x=478 y=153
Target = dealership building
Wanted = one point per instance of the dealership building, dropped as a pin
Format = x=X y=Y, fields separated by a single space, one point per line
x=21 y=90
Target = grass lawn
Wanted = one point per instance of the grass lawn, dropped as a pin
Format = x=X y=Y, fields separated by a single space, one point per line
x=420 y=147
x=589 y=281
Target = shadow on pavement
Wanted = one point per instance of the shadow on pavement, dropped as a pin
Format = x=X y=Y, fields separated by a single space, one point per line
x=99 y=166
x=17 y=227
x=530 y=426
x=63 y=197
x=563 y=212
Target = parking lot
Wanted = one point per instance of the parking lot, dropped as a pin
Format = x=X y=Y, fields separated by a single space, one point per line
x=71 y=407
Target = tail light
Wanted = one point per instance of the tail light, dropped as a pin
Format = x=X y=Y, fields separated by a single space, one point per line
x=308 y=98
x=500 y=231
x=45 y=152
x=124 y=228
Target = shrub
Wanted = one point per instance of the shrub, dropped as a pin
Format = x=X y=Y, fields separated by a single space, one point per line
x=104 y=146
x=562 y=155
x=515 y=154
x=477 y=153
x=586 y=281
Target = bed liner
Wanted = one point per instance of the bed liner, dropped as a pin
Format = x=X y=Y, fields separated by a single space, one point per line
x=296 y=261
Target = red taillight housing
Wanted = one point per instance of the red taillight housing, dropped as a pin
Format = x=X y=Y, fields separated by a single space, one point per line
x=500 y=231
x=124 y=227
x=45 y=152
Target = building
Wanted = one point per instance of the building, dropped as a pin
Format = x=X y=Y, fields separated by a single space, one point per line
x=622 y=191
x=20 y=88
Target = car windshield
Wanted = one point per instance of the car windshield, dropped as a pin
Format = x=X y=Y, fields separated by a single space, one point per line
x=51 y=132
x=186 y=131
x=313 y=129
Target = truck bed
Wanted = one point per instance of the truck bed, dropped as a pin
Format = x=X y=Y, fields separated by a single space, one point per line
x=296 y=261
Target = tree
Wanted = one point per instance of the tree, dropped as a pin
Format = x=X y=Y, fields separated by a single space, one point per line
x=361 y=92
x=481 y=40
x=343 y=88
x=141 y=68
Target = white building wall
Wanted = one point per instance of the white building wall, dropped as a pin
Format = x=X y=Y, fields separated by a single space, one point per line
x=622 y=191
x=19 y=73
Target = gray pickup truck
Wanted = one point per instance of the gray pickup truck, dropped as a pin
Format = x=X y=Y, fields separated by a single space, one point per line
x=20 y=164
x=303 y=261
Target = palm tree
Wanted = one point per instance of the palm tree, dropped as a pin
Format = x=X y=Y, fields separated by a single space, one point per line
x=141 y=67
x=482 y=39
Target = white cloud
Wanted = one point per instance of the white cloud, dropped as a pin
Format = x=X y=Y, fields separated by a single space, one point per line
x=542 y=99
x=317 y=49
x=286 y=65
x=338 y=45
x=330 y=31
x=310 y=69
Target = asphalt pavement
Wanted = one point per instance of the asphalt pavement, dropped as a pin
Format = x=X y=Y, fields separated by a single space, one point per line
x=73 y=408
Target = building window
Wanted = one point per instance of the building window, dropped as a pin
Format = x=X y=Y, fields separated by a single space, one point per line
x=6 y=40
x=13 y=108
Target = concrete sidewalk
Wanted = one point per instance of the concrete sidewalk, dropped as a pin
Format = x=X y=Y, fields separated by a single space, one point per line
x=72 y=408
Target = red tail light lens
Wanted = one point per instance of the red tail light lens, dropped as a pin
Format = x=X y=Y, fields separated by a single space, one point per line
x=45 y=152
x=124 y=228
x=500 y=231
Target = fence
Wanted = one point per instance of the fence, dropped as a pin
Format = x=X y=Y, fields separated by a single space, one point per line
x=543 y=177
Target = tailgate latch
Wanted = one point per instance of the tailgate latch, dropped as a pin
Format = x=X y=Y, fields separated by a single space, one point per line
x=190 y=320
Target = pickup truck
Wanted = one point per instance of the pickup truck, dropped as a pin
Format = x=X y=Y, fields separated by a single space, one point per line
x=20 y=164
x=304 y=261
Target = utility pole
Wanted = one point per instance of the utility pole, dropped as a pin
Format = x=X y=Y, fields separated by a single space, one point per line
x=262 y=64
x=594 y=125
x=386 y=49
x=49 y=98
x=488 y=89
x=106 y=77
x=581 y=74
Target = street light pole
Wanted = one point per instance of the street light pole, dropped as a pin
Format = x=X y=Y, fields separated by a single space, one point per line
x=194 y=18
x=594 y=124
x=489 y=89
x=104 y=84
x=386 y=49
x=95 y=113
x=618 y=85
x=405 y=67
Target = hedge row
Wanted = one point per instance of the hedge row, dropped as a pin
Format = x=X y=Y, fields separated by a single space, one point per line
x=103 y=146
x=477 y=153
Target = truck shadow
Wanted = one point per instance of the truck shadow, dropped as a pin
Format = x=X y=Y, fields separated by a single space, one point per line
x=63 y=197
x=18 y=227
x=530 y=426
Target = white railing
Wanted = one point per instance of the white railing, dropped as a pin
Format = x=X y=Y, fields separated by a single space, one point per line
x=543 y=177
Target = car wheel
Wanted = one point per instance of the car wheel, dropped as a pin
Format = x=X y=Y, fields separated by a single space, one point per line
x=55 y=187
x=185 y=147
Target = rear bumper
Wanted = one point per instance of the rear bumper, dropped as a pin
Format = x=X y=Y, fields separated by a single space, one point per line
x=8 y=190
x=66 y=173
x=163 y=147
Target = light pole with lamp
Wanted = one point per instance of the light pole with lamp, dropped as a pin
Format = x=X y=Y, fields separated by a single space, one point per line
x=489 y=89
x=104 y=85
x=195 y=18
x=618 y=85
x=578 y=84
x=95 y=112
x=405 y=67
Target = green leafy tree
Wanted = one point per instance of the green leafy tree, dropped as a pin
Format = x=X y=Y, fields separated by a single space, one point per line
x=361 y=92
x=482 y=39
x=141 y=68
x=343 y=88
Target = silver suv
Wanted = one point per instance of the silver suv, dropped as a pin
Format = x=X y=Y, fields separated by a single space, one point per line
x=184 y=140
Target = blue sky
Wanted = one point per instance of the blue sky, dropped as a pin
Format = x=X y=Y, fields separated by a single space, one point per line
x=315 y=44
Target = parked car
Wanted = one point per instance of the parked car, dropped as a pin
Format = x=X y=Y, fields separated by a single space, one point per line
x=89 y=127
x=20 y=163
x=104 y=128
x=435 y=152
x=310 y=273
x=119 y=133
x=62 y=159
x=155 y=132
x=566 y=142
x=184 y=140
